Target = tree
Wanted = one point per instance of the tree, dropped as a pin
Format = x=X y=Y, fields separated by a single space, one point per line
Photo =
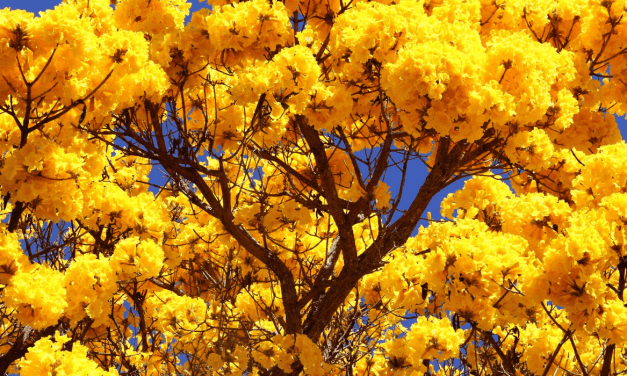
x=223 y=196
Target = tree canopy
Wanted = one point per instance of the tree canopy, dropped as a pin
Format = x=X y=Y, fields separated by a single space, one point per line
x=223 y=196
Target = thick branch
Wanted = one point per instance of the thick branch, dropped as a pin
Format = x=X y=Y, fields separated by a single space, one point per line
x=504 y=359
x=606 y=369
x=21 y=346
x=215 y=208
x=324 y=171
x=324 y=305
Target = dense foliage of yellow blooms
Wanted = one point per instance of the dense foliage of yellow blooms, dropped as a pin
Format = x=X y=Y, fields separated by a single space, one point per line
x=222 y=196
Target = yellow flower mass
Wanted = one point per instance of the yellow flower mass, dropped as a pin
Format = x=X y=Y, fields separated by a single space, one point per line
x=245 y=189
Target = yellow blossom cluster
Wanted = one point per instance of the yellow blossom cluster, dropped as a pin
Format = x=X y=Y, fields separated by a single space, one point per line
x=235 y=192
x=46 y=357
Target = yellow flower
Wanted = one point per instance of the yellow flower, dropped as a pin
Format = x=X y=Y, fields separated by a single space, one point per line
x=37 y=307
x=47 y=357
x=382 y=195
x=143 y=257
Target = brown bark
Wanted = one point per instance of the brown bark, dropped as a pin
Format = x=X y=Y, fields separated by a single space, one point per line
x=24 y=341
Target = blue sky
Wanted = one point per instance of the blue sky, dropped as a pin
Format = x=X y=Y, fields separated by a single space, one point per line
x=36 y=6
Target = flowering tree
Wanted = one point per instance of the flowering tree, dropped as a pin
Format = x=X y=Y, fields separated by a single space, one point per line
x=210 y=198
